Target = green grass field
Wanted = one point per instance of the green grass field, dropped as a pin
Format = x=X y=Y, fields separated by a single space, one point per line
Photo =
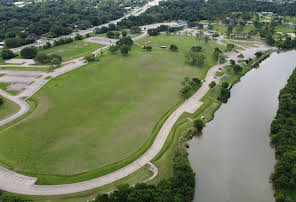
x=72 y=50
x=8 y=108
x=100 y=114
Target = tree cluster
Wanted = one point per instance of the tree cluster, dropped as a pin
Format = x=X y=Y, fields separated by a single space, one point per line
x=283 y=130
x=190 y=86
x=224 y=93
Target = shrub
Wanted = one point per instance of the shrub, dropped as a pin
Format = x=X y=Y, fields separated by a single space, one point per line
x=196 y=48
x=124 y=49
x=198 y=125
x=113 y=49
x=237 y=68
x=212 y=84
x=90 y=58
x=173 y=47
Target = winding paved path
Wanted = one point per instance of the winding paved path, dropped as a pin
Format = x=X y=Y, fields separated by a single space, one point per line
x=16 y=183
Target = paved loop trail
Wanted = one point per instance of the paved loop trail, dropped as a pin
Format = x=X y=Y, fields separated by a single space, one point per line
x=17 y=183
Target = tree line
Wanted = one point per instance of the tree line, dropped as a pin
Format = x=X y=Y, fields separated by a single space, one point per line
x=56 y=18
x=283 y=138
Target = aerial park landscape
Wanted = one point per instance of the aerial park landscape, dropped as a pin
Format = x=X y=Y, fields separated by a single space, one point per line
x=125 y=110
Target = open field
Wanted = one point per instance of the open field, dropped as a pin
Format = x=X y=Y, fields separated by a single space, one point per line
x=100 y=114
x=72 y=50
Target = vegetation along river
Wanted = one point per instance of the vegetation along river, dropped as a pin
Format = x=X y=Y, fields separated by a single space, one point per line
x=233 y=159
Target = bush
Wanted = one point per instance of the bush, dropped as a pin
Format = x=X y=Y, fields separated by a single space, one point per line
x=148 y=48
x=13 y=42
x=258 y=54
x=124 y=49
x=225 y=85
x=196 y=48
x=90 y=58
x=224 y=95
x=7 y=54
x=173 y=47
x=237 y=68
x=198 y=125
x=212 y=84
x=46 y=59
x=29 y=52
x=113 y=49
x=78 y=37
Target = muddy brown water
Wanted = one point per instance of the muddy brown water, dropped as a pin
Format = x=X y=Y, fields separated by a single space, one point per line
x=233 y=158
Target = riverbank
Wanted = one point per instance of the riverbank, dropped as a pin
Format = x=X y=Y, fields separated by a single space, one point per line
x=283 y=138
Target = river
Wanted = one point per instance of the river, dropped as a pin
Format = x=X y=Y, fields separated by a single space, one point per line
x=232 y=159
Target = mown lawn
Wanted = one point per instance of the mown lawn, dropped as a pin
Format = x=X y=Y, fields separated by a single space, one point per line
x=100 y=114
x=7 y=108
x=72 y=50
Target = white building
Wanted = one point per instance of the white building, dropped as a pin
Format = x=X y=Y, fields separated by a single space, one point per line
x=19 y=4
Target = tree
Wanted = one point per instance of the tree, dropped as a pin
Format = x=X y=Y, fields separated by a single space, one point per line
x=199 y=36
x=1 y=101
x=217 y=53
x=198 y=125
x=124 y=49
x=229 y=30
x=241 y=56
x=29 y=52
x=173 y=47
x=194 y=58
x=135 y=29
x=258 y=54
x=78 y=37
x=55 y=62
x=124 y=33
x=206 y=38
x=237 y=68
x=224 y=95
x=7 y=54
x=232 y=62
x=90 y=58
x=212 y=84
x=196 y=48
x=113 y=49
x=229 y=46
x=148 y=48
x=125 y=41
x=12 y=42
x=225 y=85
x=110 y=34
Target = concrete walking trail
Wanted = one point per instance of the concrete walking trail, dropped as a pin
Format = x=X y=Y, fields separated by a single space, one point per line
x=17 y=183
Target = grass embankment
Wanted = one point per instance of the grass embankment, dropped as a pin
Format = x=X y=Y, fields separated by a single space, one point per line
x=100 y=117
x=72 y=50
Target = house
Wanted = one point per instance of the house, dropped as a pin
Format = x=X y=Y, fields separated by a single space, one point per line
x=19 y=4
